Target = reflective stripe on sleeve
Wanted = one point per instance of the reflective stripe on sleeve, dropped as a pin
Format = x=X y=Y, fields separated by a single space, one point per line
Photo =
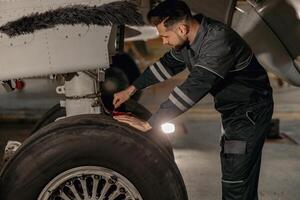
x=156 y=74
x=184 y=96
x=163 y=70
x=177 y=103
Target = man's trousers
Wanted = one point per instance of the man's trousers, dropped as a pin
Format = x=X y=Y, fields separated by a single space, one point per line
x=241 y=147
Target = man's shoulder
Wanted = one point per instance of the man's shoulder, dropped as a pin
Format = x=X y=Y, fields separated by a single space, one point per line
x=218 y=32
x=217 y=28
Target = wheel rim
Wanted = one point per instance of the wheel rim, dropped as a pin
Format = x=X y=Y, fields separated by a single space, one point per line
x=90 y=183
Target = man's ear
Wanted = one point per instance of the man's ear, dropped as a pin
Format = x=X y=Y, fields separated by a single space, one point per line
x=183 y=29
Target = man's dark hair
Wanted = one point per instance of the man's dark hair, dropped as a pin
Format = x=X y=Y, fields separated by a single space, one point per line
x=171 y=11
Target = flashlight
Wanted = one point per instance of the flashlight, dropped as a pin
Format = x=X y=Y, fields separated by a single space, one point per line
x=168 y=128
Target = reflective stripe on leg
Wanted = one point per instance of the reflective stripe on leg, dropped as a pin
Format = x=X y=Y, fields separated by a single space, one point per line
x=225 y=181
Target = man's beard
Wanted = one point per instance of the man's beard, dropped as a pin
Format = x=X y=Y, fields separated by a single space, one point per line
x=182 y=44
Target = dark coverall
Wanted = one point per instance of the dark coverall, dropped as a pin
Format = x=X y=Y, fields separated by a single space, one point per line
x=222 y=64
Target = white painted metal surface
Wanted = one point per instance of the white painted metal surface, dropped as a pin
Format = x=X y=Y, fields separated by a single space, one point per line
x=81 y=95
x=267 y=47
x=62 y=49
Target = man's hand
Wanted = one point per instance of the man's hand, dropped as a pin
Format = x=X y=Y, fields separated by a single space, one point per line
x=122 y=96
x=134 y=122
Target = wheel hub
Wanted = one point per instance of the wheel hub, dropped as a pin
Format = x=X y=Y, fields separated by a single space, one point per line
x=90 y=183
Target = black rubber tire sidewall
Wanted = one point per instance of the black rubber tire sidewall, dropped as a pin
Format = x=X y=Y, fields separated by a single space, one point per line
x=54 y=150
x=50 y=116
x=131 y=106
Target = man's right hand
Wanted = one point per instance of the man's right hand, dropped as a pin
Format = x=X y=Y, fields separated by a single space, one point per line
x=122 y=96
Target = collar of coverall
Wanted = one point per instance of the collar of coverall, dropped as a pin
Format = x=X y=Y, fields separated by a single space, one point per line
x=196 y=45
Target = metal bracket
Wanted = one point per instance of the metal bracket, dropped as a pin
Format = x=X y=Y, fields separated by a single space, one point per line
x=120 y=38
x=7 y=86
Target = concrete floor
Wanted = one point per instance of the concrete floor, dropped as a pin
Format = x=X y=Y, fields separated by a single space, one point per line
x=197 y=153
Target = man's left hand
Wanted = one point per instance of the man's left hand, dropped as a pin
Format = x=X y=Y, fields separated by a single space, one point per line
x=134 y=122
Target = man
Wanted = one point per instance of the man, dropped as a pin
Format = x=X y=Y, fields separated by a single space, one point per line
x=222 y=64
